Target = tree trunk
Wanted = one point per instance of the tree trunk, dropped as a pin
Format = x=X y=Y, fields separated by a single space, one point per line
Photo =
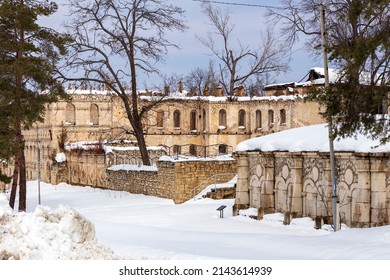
x=19 y=136
x=142 y=146
x=22 y=174
x=14 y=187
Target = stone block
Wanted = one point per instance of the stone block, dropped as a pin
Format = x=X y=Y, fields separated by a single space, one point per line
x=360 y=213
x=361 y=196
x=379 y=216
x=378 y=199
x=378 y=181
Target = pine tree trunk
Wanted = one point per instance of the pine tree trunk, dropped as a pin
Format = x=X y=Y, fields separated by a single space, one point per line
x=14 y=187
x=19 y=136
x=22 y=174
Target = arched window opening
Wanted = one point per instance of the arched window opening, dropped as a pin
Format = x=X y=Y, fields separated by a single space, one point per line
x=222 y=119
x=94 y=114
x=70 y=114
x=160 y=119
x=193 y=150
x=282 y=117
x=176 y=119
x=241 y=118
x=204 y=120
x=270 y=117
x=193 y=120
x=258 y=119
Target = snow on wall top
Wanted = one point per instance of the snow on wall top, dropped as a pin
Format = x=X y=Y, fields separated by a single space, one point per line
x=312 y=138
x=184 y=96
x=182 y=158
x=131 y=167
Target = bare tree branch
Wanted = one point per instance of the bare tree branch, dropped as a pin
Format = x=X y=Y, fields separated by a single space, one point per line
x=114 y=40
x=240 y=63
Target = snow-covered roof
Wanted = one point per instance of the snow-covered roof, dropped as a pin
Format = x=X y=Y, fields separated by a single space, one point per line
x=316 y=76
x=312 y=138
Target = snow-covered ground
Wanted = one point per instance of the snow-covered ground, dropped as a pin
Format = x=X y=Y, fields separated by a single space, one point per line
x=149 y=228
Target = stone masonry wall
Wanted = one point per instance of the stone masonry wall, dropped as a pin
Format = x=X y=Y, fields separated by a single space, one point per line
x=174 y=180
x=86 y=169
x=199 y=174
x=136 y=182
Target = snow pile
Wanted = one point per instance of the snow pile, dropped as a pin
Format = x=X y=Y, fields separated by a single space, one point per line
x=84 y=145
x=48 y=235
x=250 y=212
x=312 y=138
x=60 y=157
x=4 y=207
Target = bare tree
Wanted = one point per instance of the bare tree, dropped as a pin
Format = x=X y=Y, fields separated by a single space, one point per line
x=298 y=18
x=200 y=80
x=114 y=40
x=172 y=82
x=237 y=65
x=256 y=85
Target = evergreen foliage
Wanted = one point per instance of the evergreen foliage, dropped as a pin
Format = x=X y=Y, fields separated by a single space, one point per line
x=358 y=38
x=28 y=55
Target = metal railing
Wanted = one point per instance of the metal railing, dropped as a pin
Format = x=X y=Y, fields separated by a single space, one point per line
x=199 y=150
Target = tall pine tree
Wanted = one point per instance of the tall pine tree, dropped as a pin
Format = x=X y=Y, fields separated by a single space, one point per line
x=28 y=55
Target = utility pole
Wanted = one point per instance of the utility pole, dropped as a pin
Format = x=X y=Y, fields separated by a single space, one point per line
x=335 y=205
x=38 y=167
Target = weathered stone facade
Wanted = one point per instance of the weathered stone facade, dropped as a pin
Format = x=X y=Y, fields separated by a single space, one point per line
x=202 y=125
x=298 y=185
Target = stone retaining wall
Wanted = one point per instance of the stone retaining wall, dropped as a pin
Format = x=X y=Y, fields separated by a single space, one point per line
x=136 y=182
x=177 y=180
x=174 y=180
x=199 y=174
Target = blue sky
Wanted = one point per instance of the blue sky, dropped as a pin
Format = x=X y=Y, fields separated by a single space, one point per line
x=248 y=21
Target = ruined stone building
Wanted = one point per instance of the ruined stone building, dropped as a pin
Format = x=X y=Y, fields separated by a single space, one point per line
x=181 y=124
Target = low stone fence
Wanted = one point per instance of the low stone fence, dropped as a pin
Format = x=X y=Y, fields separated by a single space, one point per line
x=88 y=167
x=172 y=179
x=137 y=182
x=169 y=178
x=299 y=185
x=131 y=155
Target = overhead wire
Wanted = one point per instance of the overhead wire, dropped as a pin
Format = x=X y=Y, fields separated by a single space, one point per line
x=238 y=4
